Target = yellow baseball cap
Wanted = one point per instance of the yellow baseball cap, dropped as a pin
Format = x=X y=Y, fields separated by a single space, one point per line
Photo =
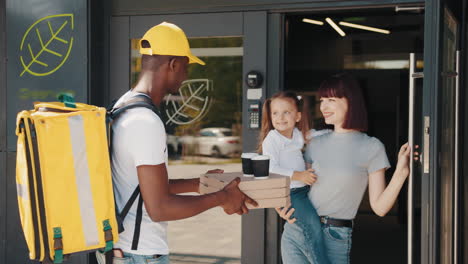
x=168 y=39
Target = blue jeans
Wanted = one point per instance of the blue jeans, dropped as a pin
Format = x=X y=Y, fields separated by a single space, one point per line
x=294 y=246
x=295 y=249
x=309 y=222
x=133 y=259
x=338 y=243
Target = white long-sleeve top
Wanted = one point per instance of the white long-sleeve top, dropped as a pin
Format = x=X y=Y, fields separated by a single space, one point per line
x=285 y=154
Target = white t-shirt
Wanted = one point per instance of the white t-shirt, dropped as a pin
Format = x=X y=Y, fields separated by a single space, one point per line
x=285 y=154
x=139 y=139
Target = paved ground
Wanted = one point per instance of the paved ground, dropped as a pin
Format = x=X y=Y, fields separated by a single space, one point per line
x=211 y=237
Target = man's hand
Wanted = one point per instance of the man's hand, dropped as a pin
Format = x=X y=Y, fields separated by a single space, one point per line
x=235 y=199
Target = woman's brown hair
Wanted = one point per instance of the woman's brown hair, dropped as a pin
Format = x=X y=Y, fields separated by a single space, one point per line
x=267 y=125
x=344 y=85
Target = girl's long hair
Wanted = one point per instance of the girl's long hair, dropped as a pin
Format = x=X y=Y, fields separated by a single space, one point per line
x=302 y=106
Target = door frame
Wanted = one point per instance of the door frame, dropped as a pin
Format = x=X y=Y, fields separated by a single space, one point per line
x=263 y=34
x=253 y=27
x=433 y=63
x=431 y=81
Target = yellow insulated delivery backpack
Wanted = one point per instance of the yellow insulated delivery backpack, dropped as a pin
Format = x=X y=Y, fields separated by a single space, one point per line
x=64 y=181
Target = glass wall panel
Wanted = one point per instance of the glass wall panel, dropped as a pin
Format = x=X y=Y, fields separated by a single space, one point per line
x=204 y=125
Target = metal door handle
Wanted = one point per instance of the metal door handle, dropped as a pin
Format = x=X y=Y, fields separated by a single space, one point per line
x=413 y=75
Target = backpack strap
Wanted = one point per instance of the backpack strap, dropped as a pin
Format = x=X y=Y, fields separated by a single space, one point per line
x=113 y=113
x=140 y=100
x=139 y=218
x=121 y=216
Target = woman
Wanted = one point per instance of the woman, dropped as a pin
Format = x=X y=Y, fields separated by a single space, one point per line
x=345 y=161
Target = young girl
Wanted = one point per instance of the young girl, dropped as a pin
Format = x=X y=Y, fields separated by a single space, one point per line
x=347 y=161
x=285 y=123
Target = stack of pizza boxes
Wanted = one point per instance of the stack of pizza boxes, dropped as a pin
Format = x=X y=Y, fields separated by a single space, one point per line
x=269 y=193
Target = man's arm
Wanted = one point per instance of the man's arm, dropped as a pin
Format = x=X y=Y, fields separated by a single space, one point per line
x=184 y=185
x=162 y=205
x=188 y=185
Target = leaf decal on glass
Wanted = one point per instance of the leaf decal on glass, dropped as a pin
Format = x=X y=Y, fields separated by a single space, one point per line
x=192 y=102
x=46 y=45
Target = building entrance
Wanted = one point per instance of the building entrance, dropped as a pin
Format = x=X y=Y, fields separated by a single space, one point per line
x=375 y=47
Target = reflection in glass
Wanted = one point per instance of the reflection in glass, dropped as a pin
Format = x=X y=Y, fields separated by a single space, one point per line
x=211 y=98
x=203 y=124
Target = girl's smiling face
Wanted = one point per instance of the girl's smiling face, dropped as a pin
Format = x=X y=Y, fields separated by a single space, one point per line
x=284 y=115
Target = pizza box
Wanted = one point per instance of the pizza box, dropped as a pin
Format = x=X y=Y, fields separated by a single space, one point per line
x=268 y=193
x=219 y=180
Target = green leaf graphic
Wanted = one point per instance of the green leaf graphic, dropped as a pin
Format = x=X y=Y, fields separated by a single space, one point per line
x=46 y=45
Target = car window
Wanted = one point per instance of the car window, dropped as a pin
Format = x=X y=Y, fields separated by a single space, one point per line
x=227 y=133
x=207 y=134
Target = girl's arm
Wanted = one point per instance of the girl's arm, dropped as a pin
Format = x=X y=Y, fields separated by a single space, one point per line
x=383 y=197
x=272 y=150
x=307 y=176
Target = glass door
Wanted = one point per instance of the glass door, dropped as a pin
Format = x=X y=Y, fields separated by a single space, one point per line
x=448 y=140
x=203 y=124
x=439 y=222
x=203 y=121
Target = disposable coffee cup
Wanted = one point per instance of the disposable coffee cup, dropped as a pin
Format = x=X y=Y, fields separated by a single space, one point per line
x=247 y=168
x=261 y=166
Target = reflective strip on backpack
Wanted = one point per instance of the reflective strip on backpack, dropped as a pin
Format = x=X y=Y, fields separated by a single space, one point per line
x=22 y=191
x=83 y=182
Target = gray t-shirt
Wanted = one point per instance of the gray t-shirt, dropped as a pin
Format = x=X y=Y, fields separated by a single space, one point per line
x=343 y=162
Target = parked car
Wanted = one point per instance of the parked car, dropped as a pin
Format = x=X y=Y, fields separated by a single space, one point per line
x=213 y=141
x=174 y=147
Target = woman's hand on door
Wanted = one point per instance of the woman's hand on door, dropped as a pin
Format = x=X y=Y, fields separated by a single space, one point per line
x=402 y=167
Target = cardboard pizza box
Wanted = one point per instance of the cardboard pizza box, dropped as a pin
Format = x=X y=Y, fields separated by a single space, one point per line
x=271 y=203
x=268 y=193
x=254 y=194
x=219 y=180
